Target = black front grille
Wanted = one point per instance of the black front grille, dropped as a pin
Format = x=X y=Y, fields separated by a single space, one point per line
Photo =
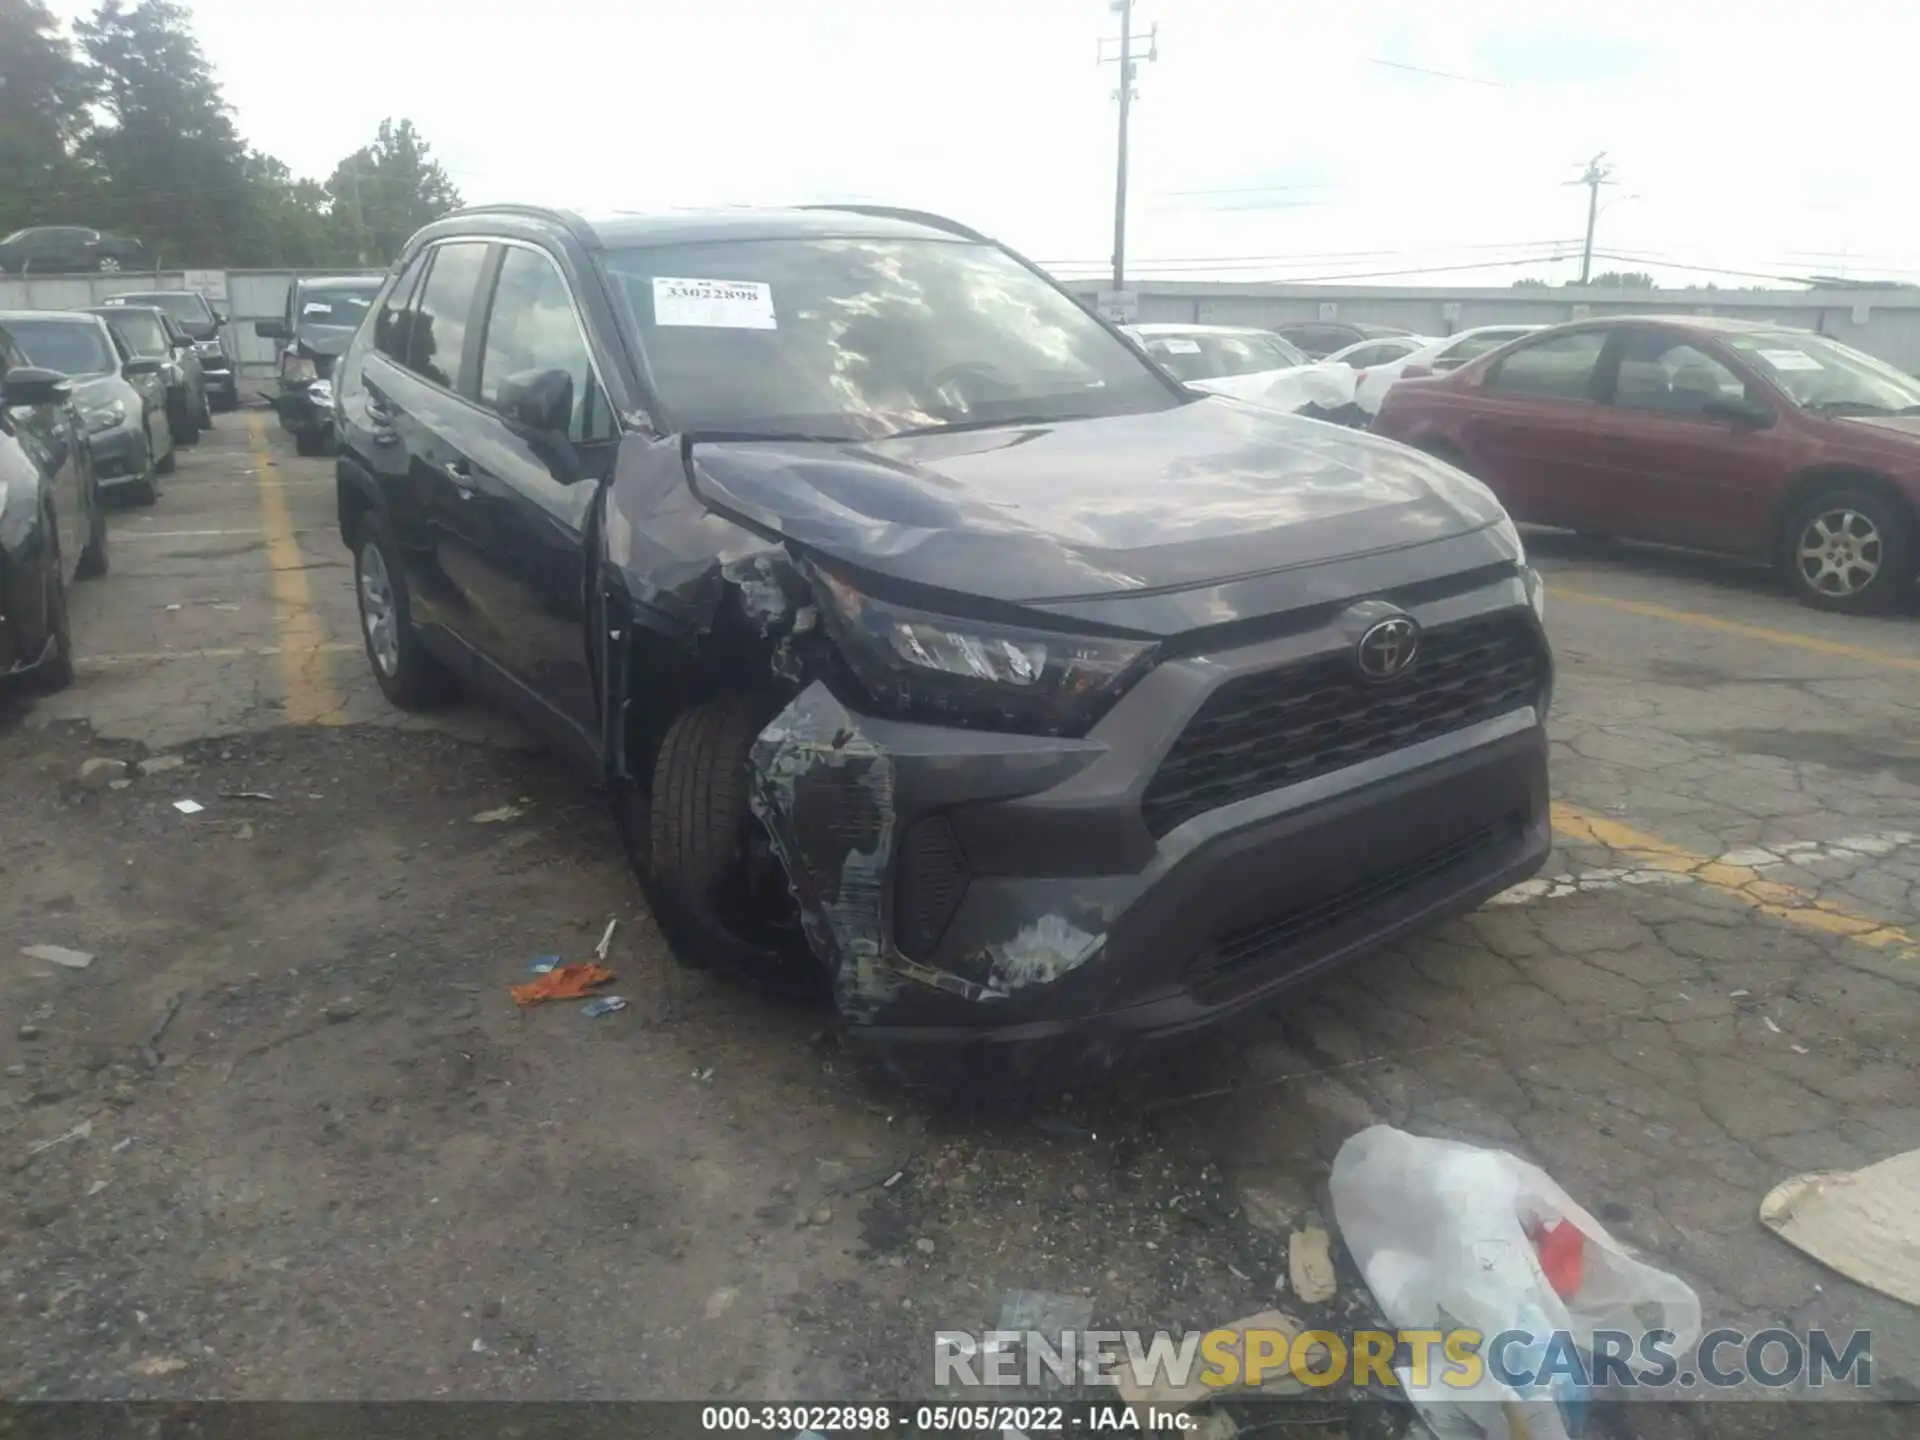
x=1250 y=944
x=1261 y=732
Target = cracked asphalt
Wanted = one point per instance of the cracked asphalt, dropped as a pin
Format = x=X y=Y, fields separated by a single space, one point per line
x=348 y=1167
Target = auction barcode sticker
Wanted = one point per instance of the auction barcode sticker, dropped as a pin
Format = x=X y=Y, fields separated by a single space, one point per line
x=713 y=304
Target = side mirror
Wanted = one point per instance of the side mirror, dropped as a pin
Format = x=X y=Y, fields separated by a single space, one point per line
x=143 y=365
x=538 y=400
x=272 y=330
x=28 y=385
x=219 y=317
x=1740 y=411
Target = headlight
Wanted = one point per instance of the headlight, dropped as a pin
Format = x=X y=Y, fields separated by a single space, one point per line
x=105 y=417
x=1536 y=592
x=945 y=670
x=206 y=347
x=295 y=368
x=320 y=392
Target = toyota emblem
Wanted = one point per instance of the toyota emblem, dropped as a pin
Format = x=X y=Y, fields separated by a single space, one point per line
x=1387 y=647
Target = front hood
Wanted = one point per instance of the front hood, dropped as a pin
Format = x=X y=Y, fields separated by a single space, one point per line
x=317 y=340
x=1907 y=427
x=1294 y=388
x=1200 y=493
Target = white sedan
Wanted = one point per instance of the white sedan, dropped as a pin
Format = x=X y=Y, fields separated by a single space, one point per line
x=1374 y=376
x=1248 y=364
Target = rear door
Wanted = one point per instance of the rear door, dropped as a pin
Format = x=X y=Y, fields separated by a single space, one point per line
x=1529 y=431
x=1674 y=472
x=533 y=494
x=46 y=435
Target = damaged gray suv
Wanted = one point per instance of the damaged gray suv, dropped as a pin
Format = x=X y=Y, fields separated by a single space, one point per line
x=941 y=651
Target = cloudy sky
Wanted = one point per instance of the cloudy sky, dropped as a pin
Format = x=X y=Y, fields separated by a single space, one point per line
x=1271 y=140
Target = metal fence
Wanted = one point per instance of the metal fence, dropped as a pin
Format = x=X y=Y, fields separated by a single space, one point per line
x=245 y=296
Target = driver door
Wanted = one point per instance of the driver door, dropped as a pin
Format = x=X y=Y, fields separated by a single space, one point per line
x=47 y=435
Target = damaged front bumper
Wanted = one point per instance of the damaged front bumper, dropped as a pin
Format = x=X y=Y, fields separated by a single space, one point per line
x=978 y=889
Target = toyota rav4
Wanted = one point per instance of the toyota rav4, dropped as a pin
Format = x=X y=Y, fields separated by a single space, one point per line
x=940 y=650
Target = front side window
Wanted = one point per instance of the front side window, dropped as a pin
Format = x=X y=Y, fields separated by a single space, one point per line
x=1472 y=347
x=1558 y=368
x=392 y=327
x=1825 y=376
x=440 y=319
x=1664 y=373
x=65 y=345
x=533 y=326
x=861 y=338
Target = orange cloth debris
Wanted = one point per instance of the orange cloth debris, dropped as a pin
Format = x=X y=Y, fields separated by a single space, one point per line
x=563 y=982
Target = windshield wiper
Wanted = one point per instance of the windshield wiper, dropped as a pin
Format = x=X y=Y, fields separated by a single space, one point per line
x=794 y=437
x=955 y=426
x=1858 y=407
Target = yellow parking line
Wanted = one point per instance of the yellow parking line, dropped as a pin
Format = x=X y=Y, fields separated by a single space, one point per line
x=307 y=692
x=1734 y=627
x=222 y=652
x=1770 y=897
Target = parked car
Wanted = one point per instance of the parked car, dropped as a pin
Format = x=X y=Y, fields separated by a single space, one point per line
x=1724 y=435
x=940 y=649
x=68 y=249
x=321 y=316
x=150 y=331
x=1318 y=339
x=1433 y=357
x=52 y=528
x=207 y=326
x=1250 y=364
x=121 y=397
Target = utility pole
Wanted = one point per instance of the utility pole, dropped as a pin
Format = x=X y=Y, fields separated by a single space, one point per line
x=1126 y=59
x=1597 y=174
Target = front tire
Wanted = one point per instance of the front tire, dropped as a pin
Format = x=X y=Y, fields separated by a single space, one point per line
x=1848 y=550
x=107 y=265
x=407 y=675
x=188 y=430
x=310 y=443
x=718 y=893
x=168 y=465
x=56 y=672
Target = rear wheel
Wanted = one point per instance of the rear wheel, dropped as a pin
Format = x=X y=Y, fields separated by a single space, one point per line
x=107 y=265
x=406 y=674
x=56 y=671
x=717 y=888
x=1849 y=550
x=187 y=432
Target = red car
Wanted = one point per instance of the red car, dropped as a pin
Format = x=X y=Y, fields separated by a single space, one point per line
x=1717 y=434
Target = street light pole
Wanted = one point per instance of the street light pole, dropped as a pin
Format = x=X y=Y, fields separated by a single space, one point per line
x=1127 y=60
x=1597 y=174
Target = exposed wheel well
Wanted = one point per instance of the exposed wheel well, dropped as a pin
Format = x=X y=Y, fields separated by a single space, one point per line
x=1833 y=477
x=662 y=678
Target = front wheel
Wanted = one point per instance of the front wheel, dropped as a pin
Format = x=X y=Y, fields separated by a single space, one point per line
x=93 y=560
x=406 y=674
x=310 y=443
x=187 y=432
x=56 y=671
x=717 y=889
x=168 y=464
x=1849 y=550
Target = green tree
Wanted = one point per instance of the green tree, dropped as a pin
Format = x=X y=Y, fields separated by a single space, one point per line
x=289 y=221
x=173 y=168
x=385 y=191
x=1531 y=283
x=1623 y=280
x=43 y=112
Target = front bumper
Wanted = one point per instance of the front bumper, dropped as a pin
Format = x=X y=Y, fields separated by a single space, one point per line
x=1081 y=933
x=305 y=409
x=118 y=454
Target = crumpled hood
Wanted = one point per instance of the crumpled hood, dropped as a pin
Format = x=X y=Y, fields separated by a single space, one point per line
x=1294 y=388
x=318 y=340
x=1187 y=496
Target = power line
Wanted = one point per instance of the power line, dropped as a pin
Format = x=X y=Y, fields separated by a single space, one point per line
x=1437 y=74
x=1517 y=262
x=1389 y=253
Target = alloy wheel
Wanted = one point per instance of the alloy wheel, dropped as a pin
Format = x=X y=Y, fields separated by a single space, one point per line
x=1839 y=552
x=379 y=611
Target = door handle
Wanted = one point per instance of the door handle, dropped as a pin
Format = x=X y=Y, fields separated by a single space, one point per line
x=461 y=474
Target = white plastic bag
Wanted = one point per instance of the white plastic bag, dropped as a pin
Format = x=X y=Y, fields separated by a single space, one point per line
x=1437 y=1226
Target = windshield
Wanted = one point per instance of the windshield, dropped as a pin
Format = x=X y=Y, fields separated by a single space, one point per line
x=863 y=338
x=1822 y=374
x=335 y=307
x=144 y=334
x=68 y=346
x=190 y=311
x=16 y=235
x=1207 y=355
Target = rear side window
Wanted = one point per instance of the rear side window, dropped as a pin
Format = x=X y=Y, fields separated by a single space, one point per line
x=533 y=326
x=439 y=328
x=393 y=325
x=1472 y=348
x=1560 y=367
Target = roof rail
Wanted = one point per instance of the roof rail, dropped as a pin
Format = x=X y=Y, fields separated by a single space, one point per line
x=566 y=219
x=918 y=217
